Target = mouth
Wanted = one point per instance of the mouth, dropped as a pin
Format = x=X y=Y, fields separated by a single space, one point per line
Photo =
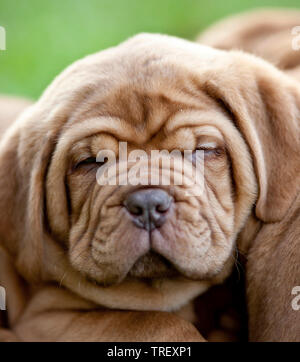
x=152 y=265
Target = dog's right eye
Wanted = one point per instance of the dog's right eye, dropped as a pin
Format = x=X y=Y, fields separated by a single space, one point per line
x=89 y=163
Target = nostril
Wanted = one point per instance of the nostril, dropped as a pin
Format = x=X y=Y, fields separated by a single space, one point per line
x=133 y=208
x=162 y=208
x=137 y=210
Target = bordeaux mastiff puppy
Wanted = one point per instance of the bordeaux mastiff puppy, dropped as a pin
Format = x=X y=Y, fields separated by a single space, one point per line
x=273 y=269
x=117 y=262
x=272 y=34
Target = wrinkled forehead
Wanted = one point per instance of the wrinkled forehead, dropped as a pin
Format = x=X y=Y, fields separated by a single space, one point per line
x=136 y=87
x=144 y=104
x=144 y=82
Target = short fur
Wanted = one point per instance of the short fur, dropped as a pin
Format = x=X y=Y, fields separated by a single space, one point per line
x=73 y=243
x=273 y=265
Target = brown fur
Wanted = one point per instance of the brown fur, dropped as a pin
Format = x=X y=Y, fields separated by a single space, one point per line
x=266 y=33
x=156 y=92
x=273 y=265
x=11 y=107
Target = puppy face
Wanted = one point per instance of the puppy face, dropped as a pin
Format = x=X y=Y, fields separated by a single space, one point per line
x=142 y=245
x=113 y=235
x=141 y=233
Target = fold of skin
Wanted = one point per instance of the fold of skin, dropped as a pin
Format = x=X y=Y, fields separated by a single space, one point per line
x=273 y=259
x=74 y=244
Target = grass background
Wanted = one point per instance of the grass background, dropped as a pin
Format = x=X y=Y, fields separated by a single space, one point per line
x=44 y=36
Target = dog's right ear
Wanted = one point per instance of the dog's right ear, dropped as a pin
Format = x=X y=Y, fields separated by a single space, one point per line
x=25 y=152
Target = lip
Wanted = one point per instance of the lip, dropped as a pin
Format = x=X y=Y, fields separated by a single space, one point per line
x=153 y=265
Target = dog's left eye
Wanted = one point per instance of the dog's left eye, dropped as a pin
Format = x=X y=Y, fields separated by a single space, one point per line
x=207 y=152
x=210 y=151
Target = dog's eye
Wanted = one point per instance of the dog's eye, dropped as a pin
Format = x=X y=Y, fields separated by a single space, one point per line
x=208 y=152
x=211 y=151
x=89 y=163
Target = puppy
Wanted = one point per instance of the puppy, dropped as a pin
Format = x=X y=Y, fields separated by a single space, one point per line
x=272 y=34
x=87 y=251
x=11 y=108
x=273 y=258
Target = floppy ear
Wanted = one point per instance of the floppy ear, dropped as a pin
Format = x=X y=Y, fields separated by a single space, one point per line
x=264 y=104
x=24 y=157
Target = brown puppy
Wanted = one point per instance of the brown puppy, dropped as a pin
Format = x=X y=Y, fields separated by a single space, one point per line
x=273 y=34
x=274 y=257
x=81 y=247
x=11 y=108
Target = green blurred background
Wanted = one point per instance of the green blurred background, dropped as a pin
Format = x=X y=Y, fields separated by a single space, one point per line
x=44 y=36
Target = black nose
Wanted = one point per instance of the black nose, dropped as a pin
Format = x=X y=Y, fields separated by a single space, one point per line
x=148 y=207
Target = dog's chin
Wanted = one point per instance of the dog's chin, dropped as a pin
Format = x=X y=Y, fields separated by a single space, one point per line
x=152 y=266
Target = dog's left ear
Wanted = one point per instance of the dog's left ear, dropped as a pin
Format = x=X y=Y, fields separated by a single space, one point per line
x=264 y=104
